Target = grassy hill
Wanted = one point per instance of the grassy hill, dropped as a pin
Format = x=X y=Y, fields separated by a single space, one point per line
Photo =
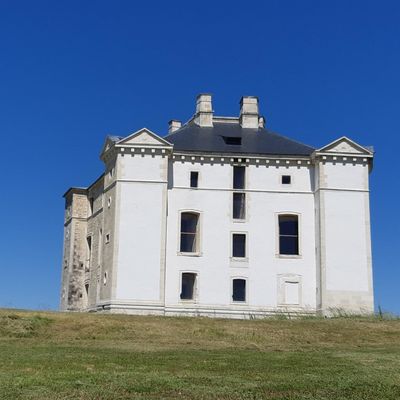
x=92 y=356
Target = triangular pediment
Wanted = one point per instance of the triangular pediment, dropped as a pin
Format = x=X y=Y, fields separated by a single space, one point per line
x=144 y=137
x=344 y=145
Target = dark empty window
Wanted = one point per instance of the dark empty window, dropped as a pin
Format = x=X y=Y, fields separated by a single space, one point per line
x=239 y=199
x=189 y=228
x=91 y=205
x=194 y=179
x=286 y=179
x=239 y=205
x=288 y=234
x=89 y=253
x=188 y=286
x=239 y=290
x=239 y=245
x=239 y=174
x=235 y=141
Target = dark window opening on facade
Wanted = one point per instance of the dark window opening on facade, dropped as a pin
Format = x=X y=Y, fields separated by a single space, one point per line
x=288 y=235
x=239 y=205
x=189 y=232
x=239 y=177
x=87 y=289
x=194 y=179
x=286 y=179
x=239 y=245
x=239 y=290
x=91 y=205
x=235 y=141
x=89 y=253
x=188 y=286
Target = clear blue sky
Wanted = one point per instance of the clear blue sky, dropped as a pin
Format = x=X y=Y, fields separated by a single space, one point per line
x=74 y=71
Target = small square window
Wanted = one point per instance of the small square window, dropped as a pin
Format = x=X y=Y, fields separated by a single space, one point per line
x=194 y=179
x=286 y=179
x=107 y=238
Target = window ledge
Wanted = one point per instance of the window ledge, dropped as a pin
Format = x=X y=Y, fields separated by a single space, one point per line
x=181 y=253
x=289 y=256
x=239 y=259
x=239 y=220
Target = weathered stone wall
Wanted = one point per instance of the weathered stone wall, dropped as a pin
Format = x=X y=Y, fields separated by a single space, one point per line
x=95 y=231
x=107 y=270
x=75 y=249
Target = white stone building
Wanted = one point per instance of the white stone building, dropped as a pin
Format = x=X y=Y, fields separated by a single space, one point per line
x=220 y=217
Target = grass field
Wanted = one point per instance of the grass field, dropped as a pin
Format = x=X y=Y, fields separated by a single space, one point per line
x=92 y=356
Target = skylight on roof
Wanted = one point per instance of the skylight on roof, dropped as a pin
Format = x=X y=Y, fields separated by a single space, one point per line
x=235 y=141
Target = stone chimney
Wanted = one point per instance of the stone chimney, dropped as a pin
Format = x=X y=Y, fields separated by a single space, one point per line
x=204 y=111
x=249 y=112
x=174 y=125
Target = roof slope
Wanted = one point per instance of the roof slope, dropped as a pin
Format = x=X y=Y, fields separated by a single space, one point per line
x=192 y=137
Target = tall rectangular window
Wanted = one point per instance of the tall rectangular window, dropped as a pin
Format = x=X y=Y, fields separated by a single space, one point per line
x=188 y=286
x=239 y=177
x=239 y=290
x=189 y=232
x=100 y=246
x=238 y=245
x=239 y=198
x=89 y=253
x=239 y=206
x=288 y=235
x=194 y=179
x=91 y=205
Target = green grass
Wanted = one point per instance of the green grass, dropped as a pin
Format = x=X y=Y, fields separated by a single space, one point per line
x=92 y=356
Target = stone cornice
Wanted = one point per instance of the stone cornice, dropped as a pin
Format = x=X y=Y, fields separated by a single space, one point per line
x=241 y=159
x=343 y=158
x=132 y=149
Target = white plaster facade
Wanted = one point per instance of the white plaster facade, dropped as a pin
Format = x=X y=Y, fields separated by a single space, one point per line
x=122 y=234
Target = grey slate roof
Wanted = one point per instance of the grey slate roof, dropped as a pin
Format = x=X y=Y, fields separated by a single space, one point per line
x=192 y=137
